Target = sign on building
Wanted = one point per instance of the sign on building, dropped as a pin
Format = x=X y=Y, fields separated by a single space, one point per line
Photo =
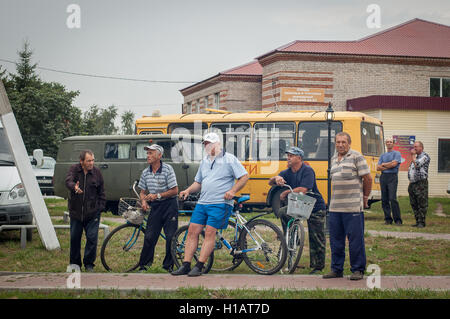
x=404 y=144
x=302 y=95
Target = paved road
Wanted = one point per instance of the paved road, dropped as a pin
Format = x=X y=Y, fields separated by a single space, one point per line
x=167 y=282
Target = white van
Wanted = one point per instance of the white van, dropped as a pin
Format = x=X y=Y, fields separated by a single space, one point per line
x=14 y=205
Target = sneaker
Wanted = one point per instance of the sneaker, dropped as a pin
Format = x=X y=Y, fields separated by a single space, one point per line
x=387 y=222
x=357 y=275
x=398 y=222
x=332 y=274
x=421 y=225
x=195 y=272
x=183 y=270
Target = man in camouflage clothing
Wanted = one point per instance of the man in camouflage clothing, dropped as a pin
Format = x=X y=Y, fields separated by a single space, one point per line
x=418 y=183
x=301 y=178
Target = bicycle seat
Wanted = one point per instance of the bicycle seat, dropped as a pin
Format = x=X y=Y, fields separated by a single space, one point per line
x=241 y=199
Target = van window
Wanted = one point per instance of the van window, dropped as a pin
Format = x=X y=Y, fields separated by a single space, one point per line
x=236 y=138
x=371 y=139
x=167 y=145
x=272 y=140
x=117 y=151
x=313 y=139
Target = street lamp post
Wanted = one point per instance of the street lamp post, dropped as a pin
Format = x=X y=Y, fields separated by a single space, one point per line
x=329 y=117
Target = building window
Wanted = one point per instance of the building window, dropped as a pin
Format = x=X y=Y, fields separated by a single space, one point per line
x=444 y=155
x=440 y=87
x=206 y=102
x=217 y=100
x=189 y=108
x=197 y=107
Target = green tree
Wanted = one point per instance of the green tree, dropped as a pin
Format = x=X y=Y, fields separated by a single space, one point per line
x=43 y=110
x=97 y=121
x=127 y=120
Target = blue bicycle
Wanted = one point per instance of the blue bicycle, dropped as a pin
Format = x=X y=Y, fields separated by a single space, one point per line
x=257 y=242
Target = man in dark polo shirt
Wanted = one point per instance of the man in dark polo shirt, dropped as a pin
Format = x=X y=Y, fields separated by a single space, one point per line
x=159 y=188
x=301 y=178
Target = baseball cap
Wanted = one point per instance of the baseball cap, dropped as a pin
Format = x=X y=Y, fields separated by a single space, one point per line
x=211 y=138
x=296 y=151
x=154 y=147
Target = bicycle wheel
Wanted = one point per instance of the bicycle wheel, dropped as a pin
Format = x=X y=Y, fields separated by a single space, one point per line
x=264 y=247
x=122 y=248
x=178 y=245
x=223 y=259
x=295 y=241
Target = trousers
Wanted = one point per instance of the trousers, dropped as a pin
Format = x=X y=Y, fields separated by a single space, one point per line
x=351 y=226
x=418 y=198
x=388 y=183
x=163 y=215
x=90 y=227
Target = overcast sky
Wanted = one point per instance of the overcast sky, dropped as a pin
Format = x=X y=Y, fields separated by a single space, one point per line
x=177 y=41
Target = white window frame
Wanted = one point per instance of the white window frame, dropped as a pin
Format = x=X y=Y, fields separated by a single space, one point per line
x=217 y=100
x=440 y=85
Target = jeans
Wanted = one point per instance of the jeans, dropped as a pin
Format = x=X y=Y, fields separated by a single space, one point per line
x=388 y=183
x=343 y=225
x=90 y=227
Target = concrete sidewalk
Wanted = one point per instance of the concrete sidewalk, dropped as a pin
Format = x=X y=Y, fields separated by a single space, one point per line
x=167 y=282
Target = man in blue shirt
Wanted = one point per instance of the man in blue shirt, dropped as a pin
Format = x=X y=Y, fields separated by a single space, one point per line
x=215 y=180
x=389 y=164
x=301 y=178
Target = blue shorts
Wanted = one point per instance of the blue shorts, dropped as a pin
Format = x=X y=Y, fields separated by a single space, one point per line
x=214 y=215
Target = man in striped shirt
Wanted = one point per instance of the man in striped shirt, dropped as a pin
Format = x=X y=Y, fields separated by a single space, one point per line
x=159 y=187
x=351 y=185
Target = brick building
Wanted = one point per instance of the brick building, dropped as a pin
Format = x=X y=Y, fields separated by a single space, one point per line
x=401 y=60
x=400 y=75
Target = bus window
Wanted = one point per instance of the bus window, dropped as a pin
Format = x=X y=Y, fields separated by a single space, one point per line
x=198 y=127
x=236 y=138
x=313 y=139
x=371 y=139
x=271 y=140
x=150 y=132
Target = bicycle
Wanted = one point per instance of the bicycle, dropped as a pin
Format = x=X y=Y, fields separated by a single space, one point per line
x=300 y=207
x=257 y=242
x=121 y=249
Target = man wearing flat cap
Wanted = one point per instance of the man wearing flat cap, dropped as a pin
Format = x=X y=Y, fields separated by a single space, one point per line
x=301 y=178
x=159 y=191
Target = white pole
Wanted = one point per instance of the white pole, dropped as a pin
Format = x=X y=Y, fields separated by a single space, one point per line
x=38 y=207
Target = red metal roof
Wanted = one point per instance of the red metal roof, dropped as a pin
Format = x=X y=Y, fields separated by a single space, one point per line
x=424 y=103
x=414 y=38
x=251 y=68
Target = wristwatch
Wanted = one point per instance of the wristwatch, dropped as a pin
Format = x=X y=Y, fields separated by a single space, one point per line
x=158 y=196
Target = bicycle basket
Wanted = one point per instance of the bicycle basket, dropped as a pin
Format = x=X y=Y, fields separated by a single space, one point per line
x=300 y=205
x=130 y=209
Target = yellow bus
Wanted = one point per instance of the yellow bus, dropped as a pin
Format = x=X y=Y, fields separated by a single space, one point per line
x=259 y=140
